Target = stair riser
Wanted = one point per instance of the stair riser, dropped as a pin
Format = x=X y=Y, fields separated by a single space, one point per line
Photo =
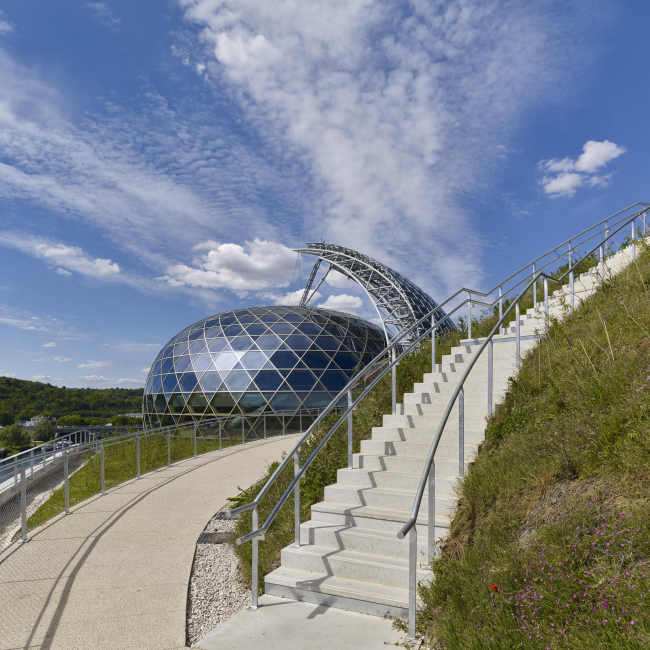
x=385 y=525
x=382 y=574
x=387 y=448
x=379 y=499
x=444 y=467
x=414 y=406
x=361 y=543
x=426 y=435
x=472 y=422
x=390 y=480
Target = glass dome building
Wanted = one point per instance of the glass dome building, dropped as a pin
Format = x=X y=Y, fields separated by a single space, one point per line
x=255 y=360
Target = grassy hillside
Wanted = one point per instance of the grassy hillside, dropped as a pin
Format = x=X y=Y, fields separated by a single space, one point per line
x=24 y=399
x=550 y=544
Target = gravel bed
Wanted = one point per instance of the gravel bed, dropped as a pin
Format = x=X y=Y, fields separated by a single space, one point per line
x=217 y=590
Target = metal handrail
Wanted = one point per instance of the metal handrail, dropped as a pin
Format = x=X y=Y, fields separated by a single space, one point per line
x=398 y=351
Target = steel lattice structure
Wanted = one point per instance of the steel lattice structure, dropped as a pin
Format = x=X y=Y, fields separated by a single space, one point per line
x=399 y=302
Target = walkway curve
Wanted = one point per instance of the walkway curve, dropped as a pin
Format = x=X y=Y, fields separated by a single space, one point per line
x=114 y=573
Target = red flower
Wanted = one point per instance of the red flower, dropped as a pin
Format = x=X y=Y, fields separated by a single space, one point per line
x=495 y=589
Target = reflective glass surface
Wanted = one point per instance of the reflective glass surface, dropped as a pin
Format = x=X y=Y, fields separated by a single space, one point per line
x=262 y=359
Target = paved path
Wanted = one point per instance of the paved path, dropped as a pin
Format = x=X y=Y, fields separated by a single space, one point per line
x=280 y=624
x=115 y=572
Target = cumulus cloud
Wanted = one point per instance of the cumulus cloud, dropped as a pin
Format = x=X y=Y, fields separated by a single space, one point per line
x=290 y=298
x=66 y=259
x=62 y=359
x=95 y=364
x=343 y=302
x=562 y=177
x=257 y=265
x=49 y=345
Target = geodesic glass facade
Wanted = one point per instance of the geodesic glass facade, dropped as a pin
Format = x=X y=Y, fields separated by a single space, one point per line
x=255 y=360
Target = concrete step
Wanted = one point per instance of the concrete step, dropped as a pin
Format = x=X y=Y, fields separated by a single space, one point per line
x=473 y=405
x=379 y=569
x=353 y=538
x=414 y=449
x=426 y=435
x=384 y=498
x=345 y=514
x=392 y=480
x=444 y=466
x=334 y=591
x=472 y=422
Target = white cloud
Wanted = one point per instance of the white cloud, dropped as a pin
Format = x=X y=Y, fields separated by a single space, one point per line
x=290 y=298
x=95 y=379
x=343 y=302
x=49 y=345
x=63 y=272
x=200 y=68
x=573 y=174
x=132 y=346
x=338 y=280
x=41 y=377
x=145 y=370
x=104 y=14
x=7 y=374
x=5 y=26
x=62 y=359
x=25 y=320
x=64 y=258
x=396 y=110
x=95 y=364
x=258 y=265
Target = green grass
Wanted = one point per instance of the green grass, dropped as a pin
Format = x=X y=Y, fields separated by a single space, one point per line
x=549 y=547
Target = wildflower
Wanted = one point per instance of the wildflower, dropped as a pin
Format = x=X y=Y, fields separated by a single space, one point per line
x=495 y=589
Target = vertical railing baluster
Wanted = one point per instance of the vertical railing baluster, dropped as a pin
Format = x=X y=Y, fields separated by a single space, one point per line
x=517 y=336
x=461 y=432
x=101 y=461
x=500 y=302
x=393 y=382
x=413 y=578
x=490 y=382
x=546 y=312
x=300 y=419
x=633 y=238
x=431 y=519
x=296 y=498
x=66 y=482
x=535 y=287
x=571 y=279
x=350 y=429
x=137 y=454
x=23 y=504
x=469 y=317
x=433 y=344
x=602 y=262
x=254 y=564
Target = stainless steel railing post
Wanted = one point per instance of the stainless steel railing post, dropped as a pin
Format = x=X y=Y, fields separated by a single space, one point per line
x=101 y=462
x=490 y=377
x=66 y=482
x=461 y=432
x=535 y=288
x=350 y=430
x=23 y=505
x=469 y=316
x=433 y=344
x=546 y=312
x=431 y=520
x=300 y=420
x=602 y=262
x=169 y=447
x=393 y=383
x=517 y=336
x=296 y=498
x=195 y=426
x=254 y=564
x=137 y=455
x=413 y=578
x=500 y=302
x=633 y=238
x=571 y=285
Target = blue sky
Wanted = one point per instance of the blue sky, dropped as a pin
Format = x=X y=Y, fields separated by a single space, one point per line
x=158 y=160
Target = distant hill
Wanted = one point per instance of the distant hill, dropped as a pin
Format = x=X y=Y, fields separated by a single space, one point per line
x=24 y=399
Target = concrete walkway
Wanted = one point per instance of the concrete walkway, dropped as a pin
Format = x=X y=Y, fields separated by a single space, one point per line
x=280 y=624
x=115 y=572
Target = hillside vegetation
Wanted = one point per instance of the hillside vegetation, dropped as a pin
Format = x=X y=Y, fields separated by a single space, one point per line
x=549 y=547
x=21 y=400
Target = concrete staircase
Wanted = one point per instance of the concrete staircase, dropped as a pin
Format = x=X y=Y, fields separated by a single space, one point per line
x=350 y=556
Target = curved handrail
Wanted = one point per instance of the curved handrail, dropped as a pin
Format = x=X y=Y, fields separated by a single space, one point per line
x=395 y=344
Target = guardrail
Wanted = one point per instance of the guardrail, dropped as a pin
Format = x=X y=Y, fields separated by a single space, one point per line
x=43 y=482
x=506 y=296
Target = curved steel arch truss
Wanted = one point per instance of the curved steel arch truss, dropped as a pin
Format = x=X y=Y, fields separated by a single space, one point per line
x=399 y=302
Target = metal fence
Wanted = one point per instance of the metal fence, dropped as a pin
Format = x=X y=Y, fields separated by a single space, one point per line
x=37 y=484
